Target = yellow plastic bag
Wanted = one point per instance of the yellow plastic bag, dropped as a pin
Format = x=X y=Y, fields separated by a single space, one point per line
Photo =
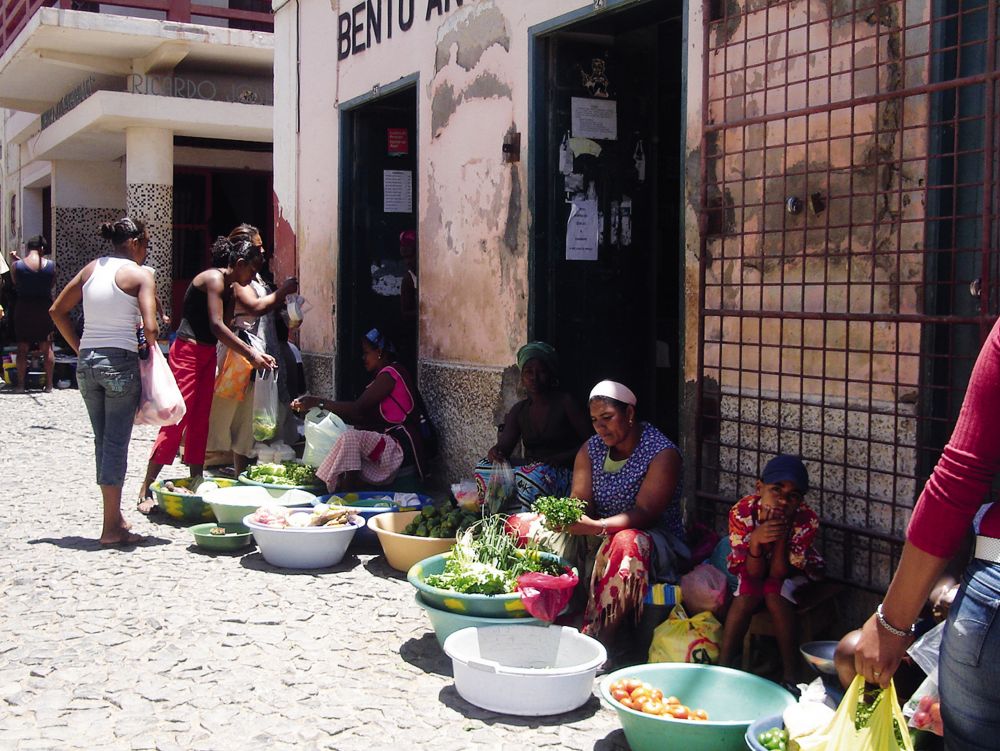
x=233 y=377
x=683 y=639
x=866 y=720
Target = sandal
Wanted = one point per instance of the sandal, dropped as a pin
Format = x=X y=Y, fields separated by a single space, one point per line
x=147 y=506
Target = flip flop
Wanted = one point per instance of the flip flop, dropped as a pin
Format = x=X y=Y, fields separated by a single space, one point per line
x=147 y=506
x=129 y=540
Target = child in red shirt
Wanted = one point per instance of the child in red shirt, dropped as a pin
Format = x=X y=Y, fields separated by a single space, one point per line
x=771 y=534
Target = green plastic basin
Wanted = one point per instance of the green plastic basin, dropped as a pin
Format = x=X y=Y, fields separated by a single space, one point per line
x=237 y=536
x=732 y=698
x=489 y=606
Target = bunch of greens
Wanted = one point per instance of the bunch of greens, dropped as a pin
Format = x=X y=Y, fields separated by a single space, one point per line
x=487 y=561
x=559 y=512
x=286 y=473
x=440 y=520
x=264 y=427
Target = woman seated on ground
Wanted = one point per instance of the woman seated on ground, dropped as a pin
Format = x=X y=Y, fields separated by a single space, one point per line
x=632 y=533
x=385 y=440
x=548 y=424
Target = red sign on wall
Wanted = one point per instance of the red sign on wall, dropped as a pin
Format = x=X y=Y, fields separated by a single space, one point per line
x=398 y=141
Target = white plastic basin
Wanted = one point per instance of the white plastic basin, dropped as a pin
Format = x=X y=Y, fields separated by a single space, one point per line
x=524 y=670
x=232 y=503
x=303 y=547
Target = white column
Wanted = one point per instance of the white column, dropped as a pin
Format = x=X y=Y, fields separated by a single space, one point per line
x=149 y=177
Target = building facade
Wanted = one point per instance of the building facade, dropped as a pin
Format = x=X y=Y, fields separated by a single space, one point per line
x=776 y=221
x=162 y=111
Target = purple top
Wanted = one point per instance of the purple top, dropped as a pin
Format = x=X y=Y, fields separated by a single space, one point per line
x=615 y=492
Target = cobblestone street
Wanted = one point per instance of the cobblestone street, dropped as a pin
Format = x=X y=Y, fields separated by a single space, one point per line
x=164 y=647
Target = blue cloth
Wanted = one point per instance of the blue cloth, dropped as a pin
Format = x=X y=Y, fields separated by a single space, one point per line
x=110 y=385
x=969 y=669
x=34 y=284
x=615 y=492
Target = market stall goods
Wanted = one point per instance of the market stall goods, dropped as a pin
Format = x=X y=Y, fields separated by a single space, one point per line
x=403 y=551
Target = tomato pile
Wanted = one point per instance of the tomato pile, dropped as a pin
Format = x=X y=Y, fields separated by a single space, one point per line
x=638 y=695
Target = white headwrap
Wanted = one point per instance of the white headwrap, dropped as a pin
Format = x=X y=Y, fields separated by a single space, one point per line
x=614 y=390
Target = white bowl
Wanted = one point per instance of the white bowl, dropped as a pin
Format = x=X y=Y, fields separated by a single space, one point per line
x=231 y=504
x=524 y=670
x=303 y=547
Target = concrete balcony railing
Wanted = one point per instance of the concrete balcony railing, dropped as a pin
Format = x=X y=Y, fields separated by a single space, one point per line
x=254 y=15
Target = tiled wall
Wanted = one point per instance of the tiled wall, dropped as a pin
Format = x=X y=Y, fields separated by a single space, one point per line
x=154 y=204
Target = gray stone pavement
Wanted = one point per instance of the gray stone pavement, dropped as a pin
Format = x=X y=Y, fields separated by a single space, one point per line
x=164 y=647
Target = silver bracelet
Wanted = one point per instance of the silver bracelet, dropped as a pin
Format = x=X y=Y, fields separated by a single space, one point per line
x=889 y=627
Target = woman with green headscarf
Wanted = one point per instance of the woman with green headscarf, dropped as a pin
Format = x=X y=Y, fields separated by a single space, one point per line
x=549 y=425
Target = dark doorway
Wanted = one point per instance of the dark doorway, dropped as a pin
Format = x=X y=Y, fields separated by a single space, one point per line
x=379 y=142
x=209 y=203
x=612 y=311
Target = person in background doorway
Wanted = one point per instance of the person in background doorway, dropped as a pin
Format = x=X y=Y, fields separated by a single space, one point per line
x=771 y=533
x=116 y=294
x=33 y=277
x=409 y=307
x=389 y=405
x=230 y=430
x=208 y=304
x=549 y=425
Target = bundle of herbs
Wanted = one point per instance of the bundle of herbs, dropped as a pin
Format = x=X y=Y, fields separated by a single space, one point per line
x=559 y=512
x=487 y=561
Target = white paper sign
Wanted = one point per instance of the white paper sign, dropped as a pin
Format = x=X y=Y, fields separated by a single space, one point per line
x=594 y=118
x=582 y=230
x=397 y=191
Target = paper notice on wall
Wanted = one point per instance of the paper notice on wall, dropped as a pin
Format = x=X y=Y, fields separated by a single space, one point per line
x=594 y=118
x=582 y=230
x=397 y=191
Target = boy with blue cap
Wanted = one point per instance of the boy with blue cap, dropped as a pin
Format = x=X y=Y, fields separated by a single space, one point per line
x=771 y=533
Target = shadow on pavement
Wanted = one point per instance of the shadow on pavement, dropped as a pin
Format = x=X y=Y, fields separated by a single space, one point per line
x=425 y=653
x=89 y=543
x=613 y=741
x=450 y=698
x=255 y=562
x=377 y=566
x=205 y=552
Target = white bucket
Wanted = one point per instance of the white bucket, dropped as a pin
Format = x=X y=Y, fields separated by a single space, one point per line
x=524 y=670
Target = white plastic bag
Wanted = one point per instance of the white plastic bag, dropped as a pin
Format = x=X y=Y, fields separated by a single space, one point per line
x=161 y=402
x=265 y=405
x=322 y=429
x=296 y=308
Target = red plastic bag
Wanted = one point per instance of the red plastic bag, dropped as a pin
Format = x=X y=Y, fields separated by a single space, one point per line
x=544 y=595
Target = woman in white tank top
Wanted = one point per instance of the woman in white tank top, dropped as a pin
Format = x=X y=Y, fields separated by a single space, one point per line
x=116 y=292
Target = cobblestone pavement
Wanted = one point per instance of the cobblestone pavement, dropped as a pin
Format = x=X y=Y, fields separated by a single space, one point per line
x=164 y=647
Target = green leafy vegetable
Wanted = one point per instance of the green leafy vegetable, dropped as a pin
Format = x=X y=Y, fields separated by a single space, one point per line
x=264 y=428
x=487 y=561
x=559 y=512
x=286 y=473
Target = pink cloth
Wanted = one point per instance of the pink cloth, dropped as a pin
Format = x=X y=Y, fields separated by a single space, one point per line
x=376 y=455
x=961 y=481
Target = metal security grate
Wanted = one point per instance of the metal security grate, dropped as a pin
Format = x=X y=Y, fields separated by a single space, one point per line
x=849 y=254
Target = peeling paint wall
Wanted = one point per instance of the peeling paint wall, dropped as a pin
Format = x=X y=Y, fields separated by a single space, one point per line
x=473 y=89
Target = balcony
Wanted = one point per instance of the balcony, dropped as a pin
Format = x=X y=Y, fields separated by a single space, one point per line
x=252 y=15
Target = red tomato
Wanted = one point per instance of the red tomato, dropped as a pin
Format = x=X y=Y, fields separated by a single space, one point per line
x=630 y=684
x=653 y=707
x=619 y=693
x=640 y=693
x=627 y=702
x=615 y=685
x=699 y=714
x=678 y=711
x=656 y=694
x=672 y=700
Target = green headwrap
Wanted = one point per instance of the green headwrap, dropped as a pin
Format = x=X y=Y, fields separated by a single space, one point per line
x=541 y=351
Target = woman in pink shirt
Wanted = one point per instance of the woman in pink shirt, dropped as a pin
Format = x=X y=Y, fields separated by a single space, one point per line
x=389 y=405
x=953 y=498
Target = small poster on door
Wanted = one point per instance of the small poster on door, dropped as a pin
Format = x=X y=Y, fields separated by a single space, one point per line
x=582 y=230
x=594 y=118
x=397 y=191
x=397 y=141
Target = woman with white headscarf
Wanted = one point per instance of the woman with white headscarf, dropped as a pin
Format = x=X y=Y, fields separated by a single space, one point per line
x=632 y=533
